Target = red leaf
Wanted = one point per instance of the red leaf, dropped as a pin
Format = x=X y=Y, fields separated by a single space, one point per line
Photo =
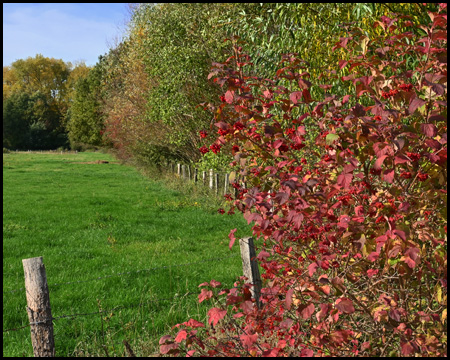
x=306 y=310
x=249 y=340
x=164 y=339
x=304 y=84
x=400 y=160
x=371 y=272
x=286 y=324
x=306 y=353
x=268 y=94
x=222 y=125
x=215 y=283
x=295 y=96
x=415 y=103
x=429 y=130
x=412 y=257
x=342 y=64
x=359 y=210
x=271 y=352
x=169 y=349
x=345 y=305
x=215 y=315
x=307 y=96
x=344 y=180
x=281 y=197
x=345 y=99
x=408 y=348
x=373 y=256
x=324 y=308
x=388 y=175
x=395 y=314
x=325 y=289
x=247 y=307
x=229 y=95
x=181 y=336
x=193 y=323
x=379 y=162
x=288 y=301
x=401 y=234
x=205 y=295
x=312 y=268
x=232 y=238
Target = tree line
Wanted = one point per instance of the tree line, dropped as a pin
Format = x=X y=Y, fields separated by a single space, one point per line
x=143 y=97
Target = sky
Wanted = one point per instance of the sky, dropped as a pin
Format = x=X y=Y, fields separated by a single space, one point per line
x=71 y=32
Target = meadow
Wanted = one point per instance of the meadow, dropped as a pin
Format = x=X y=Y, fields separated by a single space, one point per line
x=97 y=224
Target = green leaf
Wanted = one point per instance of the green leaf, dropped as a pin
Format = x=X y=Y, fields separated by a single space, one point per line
x=331 y=138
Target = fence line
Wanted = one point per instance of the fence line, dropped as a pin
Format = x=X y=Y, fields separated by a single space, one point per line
x=137 y=271
x=101 y=311
x=209 y=178
x=129 y=272
x=38 y=299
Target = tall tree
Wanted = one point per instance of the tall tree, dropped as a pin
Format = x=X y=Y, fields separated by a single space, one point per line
x=42 y=82
x=84 y=117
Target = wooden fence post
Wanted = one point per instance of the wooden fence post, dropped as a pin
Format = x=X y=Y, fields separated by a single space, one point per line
x=211 y=176
x=216 y=183
x=250 y=266
x=179 y=169
x=204 y=177
x=183 y=171
x=227 y=181
x=38 y=307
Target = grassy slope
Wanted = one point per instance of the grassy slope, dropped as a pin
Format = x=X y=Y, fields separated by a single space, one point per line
x=95 y=220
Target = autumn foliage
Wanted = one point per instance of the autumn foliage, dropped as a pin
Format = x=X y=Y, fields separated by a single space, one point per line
x=347 y=197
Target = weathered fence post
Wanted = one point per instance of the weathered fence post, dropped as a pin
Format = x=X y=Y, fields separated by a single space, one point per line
x=183 y=171
x=189 y=173
x=227 y=181
x=250 y=267
x=38 y=307
x=204 y=177
x=211 y=176
x=216 y=183
x=179 y=169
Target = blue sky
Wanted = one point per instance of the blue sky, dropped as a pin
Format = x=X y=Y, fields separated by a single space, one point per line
x=72 y=32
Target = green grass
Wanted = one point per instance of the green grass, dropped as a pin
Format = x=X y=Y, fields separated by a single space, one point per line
x=92 y=220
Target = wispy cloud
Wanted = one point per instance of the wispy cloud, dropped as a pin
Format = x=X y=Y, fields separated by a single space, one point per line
x=64 y=31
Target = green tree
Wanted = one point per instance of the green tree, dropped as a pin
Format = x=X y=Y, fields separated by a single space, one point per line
x=39 y=84
x=85 y=121
x=17 y=111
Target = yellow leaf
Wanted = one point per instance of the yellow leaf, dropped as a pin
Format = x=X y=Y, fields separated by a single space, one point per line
x=439 y=295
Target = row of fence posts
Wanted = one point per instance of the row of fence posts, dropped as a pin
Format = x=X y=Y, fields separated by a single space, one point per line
x=215 y=181
x=38 y=296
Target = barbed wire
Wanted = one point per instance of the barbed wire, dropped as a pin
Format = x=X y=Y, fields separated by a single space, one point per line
x=111 y=310
x=102 y=311
x=129 y=272
x=122 y=306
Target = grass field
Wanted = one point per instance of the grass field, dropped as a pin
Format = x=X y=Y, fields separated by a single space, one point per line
x=88 y=220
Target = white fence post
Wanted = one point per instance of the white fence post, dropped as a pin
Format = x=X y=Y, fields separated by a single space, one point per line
x=227 y=181
x=211 y=178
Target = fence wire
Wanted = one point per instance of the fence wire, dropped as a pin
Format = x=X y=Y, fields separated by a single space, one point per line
x=129 y=272
x=103 y=311
x=122 y=306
